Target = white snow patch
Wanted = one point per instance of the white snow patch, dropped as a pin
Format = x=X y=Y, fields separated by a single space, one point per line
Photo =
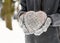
x=8 y=36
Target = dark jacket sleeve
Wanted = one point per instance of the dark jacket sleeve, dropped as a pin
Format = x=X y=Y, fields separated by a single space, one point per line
x=23 y=7
x=56 y=18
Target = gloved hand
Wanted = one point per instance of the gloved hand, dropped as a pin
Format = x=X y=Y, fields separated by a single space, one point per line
x=43 y=28
x=32 y=21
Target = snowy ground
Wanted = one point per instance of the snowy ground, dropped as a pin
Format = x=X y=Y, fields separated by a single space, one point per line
x=8 y=36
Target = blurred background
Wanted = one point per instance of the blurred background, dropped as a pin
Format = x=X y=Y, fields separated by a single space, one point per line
x=17 y=34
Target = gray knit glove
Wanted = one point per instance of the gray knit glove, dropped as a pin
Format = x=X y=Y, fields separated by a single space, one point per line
x=32 y=21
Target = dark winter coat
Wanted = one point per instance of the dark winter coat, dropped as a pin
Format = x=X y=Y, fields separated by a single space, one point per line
x=52 y=8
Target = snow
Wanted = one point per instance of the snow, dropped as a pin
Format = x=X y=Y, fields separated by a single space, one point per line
x=14 y=36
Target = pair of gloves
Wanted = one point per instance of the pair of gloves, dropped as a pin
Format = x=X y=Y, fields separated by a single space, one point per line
x=34 y=22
